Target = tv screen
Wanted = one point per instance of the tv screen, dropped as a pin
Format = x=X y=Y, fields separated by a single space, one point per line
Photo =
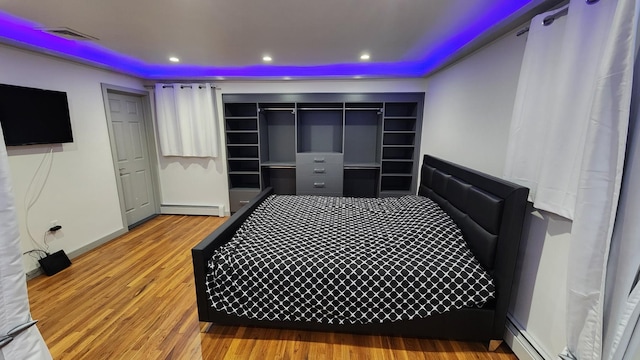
x=34 y=116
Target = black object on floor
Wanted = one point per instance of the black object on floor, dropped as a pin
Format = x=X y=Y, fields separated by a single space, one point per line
x=54 y=263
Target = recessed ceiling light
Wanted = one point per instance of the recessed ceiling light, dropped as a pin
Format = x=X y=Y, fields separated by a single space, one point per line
x=365 y=57
x=266 y=58
x=174 y=59
x=286 y=78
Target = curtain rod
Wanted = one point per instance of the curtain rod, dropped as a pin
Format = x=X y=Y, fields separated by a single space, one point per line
x=547 y=20
x=150 y=87
x=190 y=86
x=551 y=18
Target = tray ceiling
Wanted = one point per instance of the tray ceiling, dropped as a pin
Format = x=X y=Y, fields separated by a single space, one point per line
x=229 y=38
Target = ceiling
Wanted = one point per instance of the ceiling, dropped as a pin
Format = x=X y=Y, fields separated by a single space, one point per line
x=229 y=38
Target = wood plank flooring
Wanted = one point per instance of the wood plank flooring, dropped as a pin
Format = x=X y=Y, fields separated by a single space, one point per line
x=134 y=298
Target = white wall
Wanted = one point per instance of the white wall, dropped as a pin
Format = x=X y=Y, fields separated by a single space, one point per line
x=467 y=116
x=81 y=189
x=204 y=181
x=473 y=101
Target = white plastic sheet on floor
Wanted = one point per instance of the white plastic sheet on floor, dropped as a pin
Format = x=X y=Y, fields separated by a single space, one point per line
x=14 y=301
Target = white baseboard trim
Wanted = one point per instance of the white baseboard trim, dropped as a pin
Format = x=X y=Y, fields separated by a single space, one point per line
x=34 y=273
x=521 y=344
x=75 y=253
x=210 y=210
x=95 y=244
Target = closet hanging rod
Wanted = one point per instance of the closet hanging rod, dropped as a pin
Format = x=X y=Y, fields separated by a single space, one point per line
x=549 y=19
x=364 y=109
x=328 y=109
x=277 y=109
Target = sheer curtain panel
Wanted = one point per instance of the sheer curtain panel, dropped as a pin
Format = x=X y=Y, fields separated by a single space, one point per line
x=601 y=168
x=186 y=120
x=14 y=301
x=622 y=291
x=532 y=144
x=553 y=101
x=568 y=140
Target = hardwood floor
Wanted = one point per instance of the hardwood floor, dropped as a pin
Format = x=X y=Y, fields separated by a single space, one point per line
x=134 y=298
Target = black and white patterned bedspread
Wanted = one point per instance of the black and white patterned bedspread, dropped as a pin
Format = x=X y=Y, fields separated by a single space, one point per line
x=346 y=261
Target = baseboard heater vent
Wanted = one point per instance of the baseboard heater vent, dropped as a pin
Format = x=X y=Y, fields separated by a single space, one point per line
x=210 y=210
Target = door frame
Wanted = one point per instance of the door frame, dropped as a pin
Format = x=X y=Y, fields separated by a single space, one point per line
x=152 y=152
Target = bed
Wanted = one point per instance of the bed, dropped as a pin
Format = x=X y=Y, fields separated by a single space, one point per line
x=488 y=211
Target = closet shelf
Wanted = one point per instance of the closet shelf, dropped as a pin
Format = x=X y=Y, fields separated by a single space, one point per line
x=355 y=166
x=278 y=165
x=397 y=174
x=244 y=172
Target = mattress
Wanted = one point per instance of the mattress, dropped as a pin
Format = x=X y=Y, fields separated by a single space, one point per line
x=346 y=260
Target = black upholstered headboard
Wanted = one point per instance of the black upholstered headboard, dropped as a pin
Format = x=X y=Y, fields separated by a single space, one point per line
x=489 y=211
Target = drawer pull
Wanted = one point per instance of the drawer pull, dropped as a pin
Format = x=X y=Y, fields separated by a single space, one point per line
x=319 y=171
x=243 y=202
x=318 y=159
x=318 y=184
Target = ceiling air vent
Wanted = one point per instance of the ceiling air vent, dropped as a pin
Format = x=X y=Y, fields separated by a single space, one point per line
x=68 y=33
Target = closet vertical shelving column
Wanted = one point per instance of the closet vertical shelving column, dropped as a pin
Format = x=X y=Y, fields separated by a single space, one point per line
x=243 y=152
x=278 y=146
x=362 y=134
x=399 y=151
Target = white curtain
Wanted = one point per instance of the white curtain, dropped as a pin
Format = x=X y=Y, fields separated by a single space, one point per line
x=186 y=120
x=567 y=143
x=553 y=102
x=14 y=301
x=622 y=290
x=601 y=170
x=532 y=142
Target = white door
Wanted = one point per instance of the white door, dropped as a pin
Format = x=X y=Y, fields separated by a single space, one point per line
x=132 y=156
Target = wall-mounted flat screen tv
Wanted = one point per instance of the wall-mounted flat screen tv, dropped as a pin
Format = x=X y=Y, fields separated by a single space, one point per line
x=34 y=116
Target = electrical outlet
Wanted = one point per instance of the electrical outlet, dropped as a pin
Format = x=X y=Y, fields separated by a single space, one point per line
x=53 y=223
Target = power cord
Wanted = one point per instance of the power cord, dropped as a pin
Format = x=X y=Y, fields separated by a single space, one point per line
x=36 y=254
x=30 y=201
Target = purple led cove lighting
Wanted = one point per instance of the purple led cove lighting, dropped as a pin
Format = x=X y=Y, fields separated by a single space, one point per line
x=400 y=69
x=500 y=11
x=24 y=32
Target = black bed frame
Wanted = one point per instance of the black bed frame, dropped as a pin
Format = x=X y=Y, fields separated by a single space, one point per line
x=490 y=212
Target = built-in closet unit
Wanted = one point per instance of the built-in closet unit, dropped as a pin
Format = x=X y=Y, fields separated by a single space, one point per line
x=360 y=145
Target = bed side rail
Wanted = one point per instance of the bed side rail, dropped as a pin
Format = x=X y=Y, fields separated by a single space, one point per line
x=202 y=252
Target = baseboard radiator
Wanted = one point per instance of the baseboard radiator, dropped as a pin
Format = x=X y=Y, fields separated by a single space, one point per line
x=522 y=345
x=210 y=210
